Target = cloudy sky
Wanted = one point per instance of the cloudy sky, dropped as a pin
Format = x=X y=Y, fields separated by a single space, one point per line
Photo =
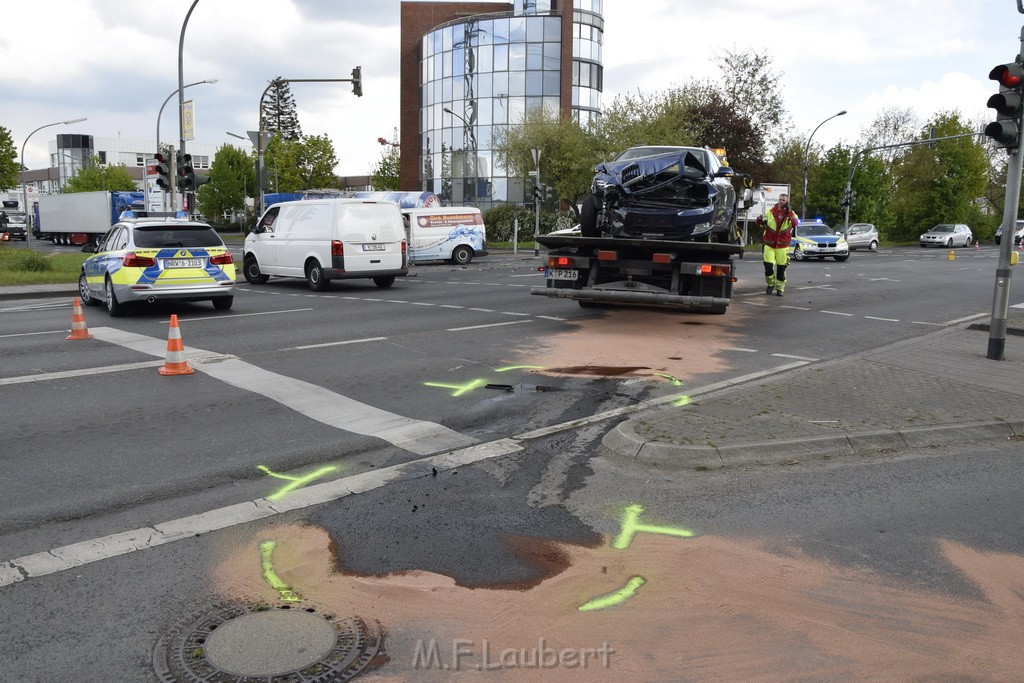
x=115 y=62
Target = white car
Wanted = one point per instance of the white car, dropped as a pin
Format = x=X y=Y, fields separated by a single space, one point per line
x=1018 y=235
x=948 y=235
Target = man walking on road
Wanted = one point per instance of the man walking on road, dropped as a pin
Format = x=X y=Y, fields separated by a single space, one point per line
x=778 y=223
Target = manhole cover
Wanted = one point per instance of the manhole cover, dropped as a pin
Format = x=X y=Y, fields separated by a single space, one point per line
x=284 y=643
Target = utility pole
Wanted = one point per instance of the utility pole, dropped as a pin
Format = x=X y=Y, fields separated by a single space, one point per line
x=536 y=200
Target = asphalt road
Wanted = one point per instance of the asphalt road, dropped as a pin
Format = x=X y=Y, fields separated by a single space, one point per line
x=299 y=381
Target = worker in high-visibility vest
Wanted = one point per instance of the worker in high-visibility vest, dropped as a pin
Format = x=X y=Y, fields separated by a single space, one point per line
x=778 y=223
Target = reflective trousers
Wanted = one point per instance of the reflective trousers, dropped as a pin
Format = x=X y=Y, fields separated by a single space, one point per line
x=775 y=262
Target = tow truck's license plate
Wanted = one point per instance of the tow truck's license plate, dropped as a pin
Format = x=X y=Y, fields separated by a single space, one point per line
x=556 y=274
x=184 y=263
x=374 y=247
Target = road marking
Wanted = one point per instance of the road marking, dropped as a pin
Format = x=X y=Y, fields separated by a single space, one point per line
x=848 y=315
x=755 y=303
x=742 y=350
x=803 y=358
x=337 y=343
x=315 y=402
x=483 y=310
x=828 y=287
x=84 y=372
x=480 y=327
x=551 y=317
x=921 y=322
x=239 y=315
x=797 y=308
x=888 y=320
x=396 y=301
x=514 y=313
x=883 y=279
x=450 y=306
x=29 y=334
x=971 y=317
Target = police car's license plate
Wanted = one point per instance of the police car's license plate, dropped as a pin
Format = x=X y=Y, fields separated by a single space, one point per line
x=556 y=274
x=374 y=247
x=184 y=263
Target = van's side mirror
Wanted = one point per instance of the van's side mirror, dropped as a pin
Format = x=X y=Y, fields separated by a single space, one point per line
x=252 y=229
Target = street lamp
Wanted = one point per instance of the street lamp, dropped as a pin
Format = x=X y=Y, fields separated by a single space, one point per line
x=24 y=187
x=173 y=93
x=807 y=147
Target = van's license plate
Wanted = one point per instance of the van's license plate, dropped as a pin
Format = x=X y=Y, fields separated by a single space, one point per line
x=555 y=274
x=374 y=247
x=184 y=263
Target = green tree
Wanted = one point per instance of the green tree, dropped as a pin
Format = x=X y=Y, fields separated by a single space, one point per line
x=95 y=176
x=9 y=168
x=296 y=165
x=751 y=85
x=385 y=173
x=232 y=179
x=279 y=112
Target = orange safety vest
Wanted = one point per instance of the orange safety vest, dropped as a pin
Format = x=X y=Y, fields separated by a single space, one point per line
x=778 y=227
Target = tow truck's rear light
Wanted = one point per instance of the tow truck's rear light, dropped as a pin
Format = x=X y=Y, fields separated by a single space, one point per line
x=133 y=260
x=715 y=270
x=607 y=255
x=337 y=248
x=222 y=259
x=662 y=258
x=561 y=262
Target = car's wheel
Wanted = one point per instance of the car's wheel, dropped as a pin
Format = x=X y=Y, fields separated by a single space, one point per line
x=798 y=254
x=384 y=281
x=223 y=303
x=842 y=258
x=949 y=243
x=114 y=308
x=716 y=310
x=873 y=246
x=462 y=255
x=997 y=241
x=588 y=216
x=968 y=242
x=84 y=293
x=315 y=277
x=251 y=270
x=586 y=304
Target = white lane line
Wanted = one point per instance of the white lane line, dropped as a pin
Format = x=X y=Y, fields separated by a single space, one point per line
x=450 y=306
x=848 y=315
x=796 y=308
x=85 y=552
x=114 y=545
x=396 y=301
x=480 y=327
x=337 y=343
x=31 y=334
x=551 y=317
x=536 y=275
x=67 y=374
x=239 y=315
x=422 y=303
x=315 y=402
x=921 y=322
x=887 y=320
x=803 y=358
x=742 y=350
x=483 y=310
x=970 y=317
x=514 y=313
x=755 y=303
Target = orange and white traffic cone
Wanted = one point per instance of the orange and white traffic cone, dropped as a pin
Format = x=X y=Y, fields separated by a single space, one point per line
x=175 y=363
x=977 y=245
x=78 y=328
x=5 y=237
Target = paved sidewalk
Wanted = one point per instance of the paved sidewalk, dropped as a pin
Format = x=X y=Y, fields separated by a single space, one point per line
x=934 y=390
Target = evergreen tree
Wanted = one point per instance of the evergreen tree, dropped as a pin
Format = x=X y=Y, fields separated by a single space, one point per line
x=279 y=113
x=9 y=168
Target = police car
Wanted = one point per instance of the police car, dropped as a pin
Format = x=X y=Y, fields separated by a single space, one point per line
x=817 y=239
x=147 y=259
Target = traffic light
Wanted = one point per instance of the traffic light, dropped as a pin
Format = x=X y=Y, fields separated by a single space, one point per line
x=538 y=194
x=357 y=81
x=1006 y=129
x=163 y=171
x=186 y=174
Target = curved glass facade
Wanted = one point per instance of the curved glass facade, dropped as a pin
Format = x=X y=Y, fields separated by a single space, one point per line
x=481 y=74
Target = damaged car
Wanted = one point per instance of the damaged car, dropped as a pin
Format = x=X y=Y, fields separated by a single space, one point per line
x=662 y=192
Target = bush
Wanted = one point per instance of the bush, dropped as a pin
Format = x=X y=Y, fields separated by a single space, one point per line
x=500 y=222
x=29 y=261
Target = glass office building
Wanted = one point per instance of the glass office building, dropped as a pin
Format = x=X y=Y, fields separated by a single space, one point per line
x=480 y=73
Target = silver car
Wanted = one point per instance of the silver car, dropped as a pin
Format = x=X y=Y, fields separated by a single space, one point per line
x=861 y=236
x=948 y=235
x=1018 y=235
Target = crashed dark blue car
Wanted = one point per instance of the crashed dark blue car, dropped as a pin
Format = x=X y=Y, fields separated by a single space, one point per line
x=660 y=192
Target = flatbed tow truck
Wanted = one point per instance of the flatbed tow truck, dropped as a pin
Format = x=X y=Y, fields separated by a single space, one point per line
x=695 y=276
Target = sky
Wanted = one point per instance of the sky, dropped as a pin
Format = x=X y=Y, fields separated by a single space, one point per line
x=115 y=62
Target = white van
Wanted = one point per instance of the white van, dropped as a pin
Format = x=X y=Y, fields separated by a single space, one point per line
x=455 y=234
x=327 y=239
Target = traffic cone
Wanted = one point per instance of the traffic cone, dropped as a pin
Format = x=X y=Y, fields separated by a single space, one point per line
x=952 y=255
x=977 y=245
x=78 y=328
x=5 y=237
x=175 y=363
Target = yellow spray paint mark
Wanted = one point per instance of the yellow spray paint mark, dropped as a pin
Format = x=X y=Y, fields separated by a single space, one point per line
x=459 y=389
x=296 y=482
x=271 y=577
x=616 y=598
x=631 y=527
x=520 y=367
x=676 y=382
x=682 y=401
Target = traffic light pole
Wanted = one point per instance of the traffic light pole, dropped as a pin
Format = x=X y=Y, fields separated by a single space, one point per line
x=1004 y=273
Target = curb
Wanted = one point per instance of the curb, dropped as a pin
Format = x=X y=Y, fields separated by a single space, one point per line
x=624 y=442
x=38 y=292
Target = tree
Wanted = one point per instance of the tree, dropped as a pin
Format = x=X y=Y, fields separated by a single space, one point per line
x=751 y=86
x=891 y=126
x=279 y=113
x=385 y=173
x=9 y=168
x=232 y=179
x=95 y=177
x=304 y=164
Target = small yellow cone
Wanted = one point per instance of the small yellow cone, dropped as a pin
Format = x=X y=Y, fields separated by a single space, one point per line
x=952 y=255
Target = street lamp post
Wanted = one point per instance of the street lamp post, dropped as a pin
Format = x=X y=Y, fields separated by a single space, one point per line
x=807 y=147
x=160 y=114
x=24 y=187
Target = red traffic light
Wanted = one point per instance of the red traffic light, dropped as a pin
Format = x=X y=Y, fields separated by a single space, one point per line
x=161 y=157
x=1009 y=75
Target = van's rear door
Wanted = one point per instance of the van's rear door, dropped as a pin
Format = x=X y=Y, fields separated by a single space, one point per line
x=373 y=236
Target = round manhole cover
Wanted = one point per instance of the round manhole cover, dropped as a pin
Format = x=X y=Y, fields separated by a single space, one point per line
x=254 y=642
